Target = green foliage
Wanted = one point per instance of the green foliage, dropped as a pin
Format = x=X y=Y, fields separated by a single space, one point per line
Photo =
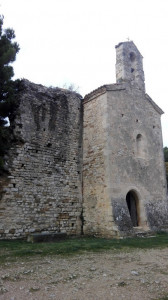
x=11 y=250
x=163 y=298
x=8 y=88
x=166 y=164
x=165 y=150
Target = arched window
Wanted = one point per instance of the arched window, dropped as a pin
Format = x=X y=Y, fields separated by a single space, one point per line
x=140 y=146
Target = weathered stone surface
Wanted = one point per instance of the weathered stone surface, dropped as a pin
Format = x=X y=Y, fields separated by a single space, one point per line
x=123 y=155
x=123 y=184
x=43 y=193
x=129 y=65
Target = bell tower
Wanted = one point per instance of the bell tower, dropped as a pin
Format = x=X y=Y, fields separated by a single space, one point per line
x=129 y=66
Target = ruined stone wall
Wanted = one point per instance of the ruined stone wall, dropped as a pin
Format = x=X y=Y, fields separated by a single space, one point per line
x=43 y=190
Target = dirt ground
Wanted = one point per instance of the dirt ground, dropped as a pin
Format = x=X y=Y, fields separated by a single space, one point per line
x=133 y=275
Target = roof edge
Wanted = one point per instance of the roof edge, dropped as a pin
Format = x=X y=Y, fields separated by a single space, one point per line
x=103 y=89
x=155 y=106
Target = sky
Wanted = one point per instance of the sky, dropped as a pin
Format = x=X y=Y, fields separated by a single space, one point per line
x=73 y=42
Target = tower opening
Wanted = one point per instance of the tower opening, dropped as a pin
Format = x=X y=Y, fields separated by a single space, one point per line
x=132 y=56
x=133 y=207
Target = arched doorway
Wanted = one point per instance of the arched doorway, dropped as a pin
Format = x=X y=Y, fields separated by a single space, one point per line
x=133 y=207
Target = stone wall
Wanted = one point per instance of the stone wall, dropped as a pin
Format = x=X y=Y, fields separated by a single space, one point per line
x=122 y=153
x=135 y=158
x=42 y=192
x=118 y=148
x=97 y=210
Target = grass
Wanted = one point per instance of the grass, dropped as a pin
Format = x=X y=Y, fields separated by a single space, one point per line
x=11 y=250
x=163 y=298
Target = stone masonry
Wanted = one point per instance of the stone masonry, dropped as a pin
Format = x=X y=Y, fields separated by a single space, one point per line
x=124 y=185
x=92 y=165
x=43 y=191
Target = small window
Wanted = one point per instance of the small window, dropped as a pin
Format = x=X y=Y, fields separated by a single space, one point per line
x=141 y=146
x=139 y=137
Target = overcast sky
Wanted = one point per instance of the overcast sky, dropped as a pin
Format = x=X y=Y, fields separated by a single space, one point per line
x=73 y=41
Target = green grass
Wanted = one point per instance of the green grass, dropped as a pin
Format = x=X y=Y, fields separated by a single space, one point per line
x=163 y=298
x=11 y=250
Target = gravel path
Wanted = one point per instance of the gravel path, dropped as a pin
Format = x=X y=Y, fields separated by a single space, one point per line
x=133 y=275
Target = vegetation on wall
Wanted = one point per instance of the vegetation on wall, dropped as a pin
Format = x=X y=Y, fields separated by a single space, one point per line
x=8 y=88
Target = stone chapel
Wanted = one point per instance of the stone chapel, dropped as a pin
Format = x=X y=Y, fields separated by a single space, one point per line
x=124 y=186
x=90 y=166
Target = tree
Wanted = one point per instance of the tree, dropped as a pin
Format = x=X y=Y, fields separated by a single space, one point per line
x=8 y=51
x=71 y=87
x=165 y=150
